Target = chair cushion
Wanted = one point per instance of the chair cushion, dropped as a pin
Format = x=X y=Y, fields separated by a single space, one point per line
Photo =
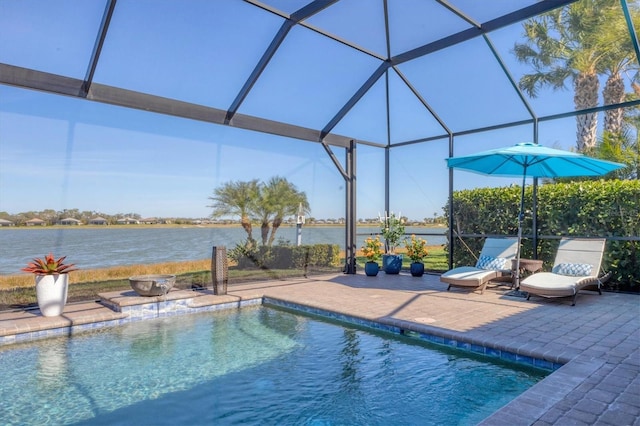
x=492 y=263
x=468 y=276
x=549 y=284
x=573 y=269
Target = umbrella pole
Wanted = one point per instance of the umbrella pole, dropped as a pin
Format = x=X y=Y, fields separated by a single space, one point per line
x=520 y=221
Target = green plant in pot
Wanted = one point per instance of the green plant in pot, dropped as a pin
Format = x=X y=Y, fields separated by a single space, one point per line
x=417 y=251
x=52 y=283
x=392 y=230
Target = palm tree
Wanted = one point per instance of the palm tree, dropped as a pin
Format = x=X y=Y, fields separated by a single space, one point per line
x=278 y=198
x=620 y=58
x=284 y=200
x=578 y=42
x=262 y=211
x=623 y=146
x=254 y=201
x=237 y=199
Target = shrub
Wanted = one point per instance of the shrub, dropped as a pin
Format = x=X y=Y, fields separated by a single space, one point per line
x=595 y=208
x=285 y=257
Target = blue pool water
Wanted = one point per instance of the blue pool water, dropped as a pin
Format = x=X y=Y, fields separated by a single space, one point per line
x=253 y=366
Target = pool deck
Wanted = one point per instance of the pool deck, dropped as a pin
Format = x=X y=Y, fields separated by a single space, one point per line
x=597 y=341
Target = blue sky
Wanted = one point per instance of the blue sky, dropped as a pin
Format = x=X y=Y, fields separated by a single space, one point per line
x=62 y=153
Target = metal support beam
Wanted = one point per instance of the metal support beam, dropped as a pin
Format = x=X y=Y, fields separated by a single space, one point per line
x=534 y=218
x=512 y=81
x=486 y=27
x=356 y=97
x=450 y=206
x=97 y=47
x=333 y=158
x=422 y=100
x=259 y=68
x=39 y=80
x=304 y=13
x=350 y=231
x=52 y=83
x=632 y=31
x=387 y=153
x=387 y=179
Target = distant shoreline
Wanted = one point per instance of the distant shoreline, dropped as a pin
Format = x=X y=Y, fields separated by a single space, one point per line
x=213 y=225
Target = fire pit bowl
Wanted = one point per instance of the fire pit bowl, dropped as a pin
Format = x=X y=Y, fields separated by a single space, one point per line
x=152 y=285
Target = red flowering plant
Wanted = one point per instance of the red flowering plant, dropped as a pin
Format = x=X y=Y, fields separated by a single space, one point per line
x=49 y=265
x=416 y=248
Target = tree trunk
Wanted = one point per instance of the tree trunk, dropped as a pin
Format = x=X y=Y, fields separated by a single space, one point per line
x=586 y=96
x=274 y=228
x=246 y=225
x=613 y=93
x=264 y=231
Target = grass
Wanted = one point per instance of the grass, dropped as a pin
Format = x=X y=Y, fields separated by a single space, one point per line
x=18 y=291
x=113 y=273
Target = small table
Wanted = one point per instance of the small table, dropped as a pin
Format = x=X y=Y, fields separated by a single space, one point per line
x=528 y=266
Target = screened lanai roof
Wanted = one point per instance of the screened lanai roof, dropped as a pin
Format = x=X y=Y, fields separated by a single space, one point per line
x=396 y=74
x=312 y=70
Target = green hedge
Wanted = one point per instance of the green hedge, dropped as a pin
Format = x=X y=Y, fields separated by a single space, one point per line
x=286 y=257
x=598 y=208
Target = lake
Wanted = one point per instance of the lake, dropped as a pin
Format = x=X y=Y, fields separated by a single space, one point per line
x=95 y=247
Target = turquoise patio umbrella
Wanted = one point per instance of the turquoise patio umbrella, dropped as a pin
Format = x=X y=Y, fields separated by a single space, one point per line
x=531 y=160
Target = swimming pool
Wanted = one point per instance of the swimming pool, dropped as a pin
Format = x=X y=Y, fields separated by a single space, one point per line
x=251 y=366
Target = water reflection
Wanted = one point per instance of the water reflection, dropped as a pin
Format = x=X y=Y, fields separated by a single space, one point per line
x=52 y=368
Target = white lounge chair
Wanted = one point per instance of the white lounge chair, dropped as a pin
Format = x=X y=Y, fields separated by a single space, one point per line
x=494 y=262
x=576 y=266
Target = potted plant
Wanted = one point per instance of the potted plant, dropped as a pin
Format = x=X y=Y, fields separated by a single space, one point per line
x=417 y=251
x=392 y=230
x=372 y=251
x=52 y=282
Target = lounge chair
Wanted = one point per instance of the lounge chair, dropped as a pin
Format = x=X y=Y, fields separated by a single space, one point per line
x=576 y=266
x=494 y=262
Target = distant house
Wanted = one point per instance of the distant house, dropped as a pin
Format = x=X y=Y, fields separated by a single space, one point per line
x=128 y=221
x=149 y=221
x=35 y=222
x=5 y=222
x=69 y=221
x=98 y=221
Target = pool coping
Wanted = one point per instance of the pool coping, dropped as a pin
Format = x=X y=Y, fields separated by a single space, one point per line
x=128 y=307
x=113 y=309
x=416 y=331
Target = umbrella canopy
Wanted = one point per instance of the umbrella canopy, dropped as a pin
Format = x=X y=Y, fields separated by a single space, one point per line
x=531 y=160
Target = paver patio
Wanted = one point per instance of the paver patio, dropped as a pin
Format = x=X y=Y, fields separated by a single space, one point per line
x=598 y=340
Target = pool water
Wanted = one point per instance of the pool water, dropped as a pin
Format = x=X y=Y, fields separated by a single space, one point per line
x=252 y=366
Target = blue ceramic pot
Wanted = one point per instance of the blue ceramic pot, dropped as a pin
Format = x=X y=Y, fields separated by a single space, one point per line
x=392 y=263
x=417 y=269
x=371 y=269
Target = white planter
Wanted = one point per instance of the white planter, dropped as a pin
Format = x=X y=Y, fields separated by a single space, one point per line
x=51 y=291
